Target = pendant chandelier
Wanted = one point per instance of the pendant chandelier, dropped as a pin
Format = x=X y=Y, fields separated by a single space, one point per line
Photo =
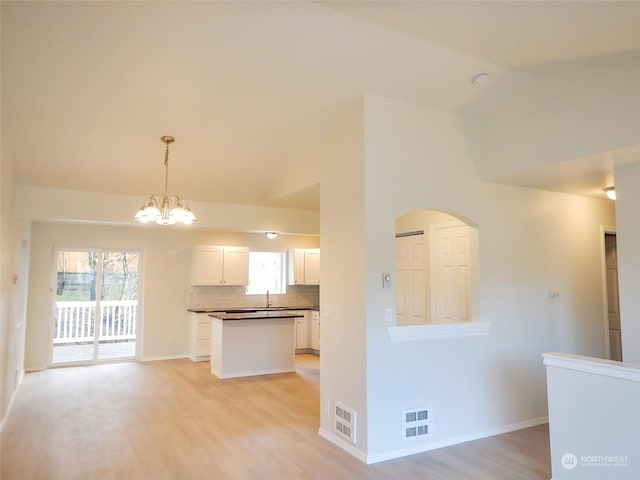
x=168 y=210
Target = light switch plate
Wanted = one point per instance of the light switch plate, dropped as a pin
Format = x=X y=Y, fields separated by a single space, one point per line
x=386 y=280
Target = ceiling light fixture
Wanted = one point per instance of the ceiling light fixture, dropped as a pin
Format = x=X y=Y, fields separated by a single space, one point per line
x=271 y=235
x=480 y=78
x=611 y=192
x=169 y=210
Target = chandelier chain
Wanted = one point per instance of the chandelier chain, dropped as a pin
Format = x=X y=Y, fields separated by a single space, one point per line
x=166 y=171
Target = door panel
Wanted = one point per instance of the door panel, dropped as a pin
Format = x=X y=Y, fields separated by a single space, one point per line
x=450 y=263
x=96 y=314
x=411 y=280
x=118 y=305
x=75 y=311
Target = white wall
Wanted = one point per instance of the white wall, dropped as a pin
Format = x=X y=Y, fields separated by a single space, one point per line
x=165 y=279
x=581 y=111
x=422 y=220
x=593 y=417
x=13 y=235
x=530 y=241
x=628 y=241
x=51 y=204
x=342 y=300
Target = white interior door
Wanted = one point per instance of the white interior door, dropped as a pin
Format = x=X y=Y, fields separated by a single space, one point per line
x=411 y=276
x=450 y=273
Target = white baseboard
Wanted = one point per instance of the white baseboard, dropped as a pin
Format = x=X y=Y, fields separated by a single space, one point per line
x=344 y=445
x=201 y=358
x=251 y=373
x=164 y=357
x=425 y=447
x=447 y=442
x=34 y=368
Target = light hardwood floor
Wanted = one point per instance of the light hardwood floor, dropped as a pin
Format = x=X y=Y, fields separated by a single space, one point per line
x=174 y=420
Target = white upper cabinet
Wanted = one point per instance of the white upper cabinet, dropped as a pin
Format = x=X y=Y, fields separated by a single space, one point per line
x=304 y=266
x=296 y=267
x=235 y=266
x=213 y=265
x=312 y=266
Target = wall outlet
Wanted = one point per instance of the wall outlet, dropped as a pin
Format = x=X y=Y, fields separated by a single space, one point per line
x=326 y=407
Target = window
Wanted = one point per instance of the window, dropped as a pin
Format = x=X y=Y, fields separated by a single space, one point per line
x=267 y=272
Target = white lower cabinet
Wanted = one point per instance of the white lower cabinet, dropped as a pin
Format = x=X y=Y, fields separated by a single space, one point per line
x=200 y=335
x=315 y=331
x=302 y=332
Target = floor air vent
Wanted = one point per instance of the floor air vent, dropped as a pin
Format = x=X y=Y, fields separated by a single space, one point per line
x=344 y=423
x=416 y=423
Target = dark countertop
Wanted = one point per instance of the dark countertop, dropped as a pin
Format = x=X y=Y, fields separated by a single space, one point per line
x=249 y=309
x=254 y=315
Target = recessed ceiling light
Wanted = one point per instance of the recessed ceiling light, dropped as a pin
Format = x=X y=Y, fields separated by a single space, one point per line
x=480 y=79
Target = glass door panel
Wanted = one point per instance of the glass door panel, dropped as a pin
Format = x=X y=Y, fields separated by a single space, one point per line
x=96 y=313
x=118 y=305
x=75 y=309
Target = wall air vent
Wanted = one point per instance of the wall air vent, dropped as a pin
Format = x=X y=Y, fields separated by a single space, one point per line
x=344 y=422
x=416 y=423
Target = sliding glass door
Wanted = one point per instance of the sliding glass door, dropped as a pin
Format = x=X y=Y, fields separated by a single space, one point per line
x=96 y=308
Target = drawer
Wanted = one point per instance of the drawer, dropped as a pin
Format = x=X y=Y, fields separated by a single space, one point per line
x=203 y=330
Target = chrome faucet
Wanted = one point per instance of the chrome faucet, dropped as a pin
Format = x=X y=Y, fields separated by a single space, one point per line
x=268 y=301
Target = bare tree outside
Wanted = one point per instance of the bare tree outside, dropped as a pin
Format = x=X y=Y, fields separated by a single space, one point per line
x=84 y=320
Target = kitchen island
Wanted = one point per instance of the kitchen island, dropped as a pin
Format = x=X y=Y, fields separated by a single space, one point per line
x=252 y=343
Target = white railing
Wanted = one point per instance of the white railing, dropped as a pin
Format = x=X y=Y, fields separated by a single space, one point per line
x=74 y=321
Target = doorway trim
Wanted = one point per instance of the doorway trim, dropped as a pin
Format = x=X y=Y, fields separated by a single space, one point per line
x=604 y=230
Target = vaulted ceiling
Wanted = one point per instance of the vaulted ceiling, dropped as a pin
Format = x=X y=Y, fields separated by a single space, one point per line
x=246 y=88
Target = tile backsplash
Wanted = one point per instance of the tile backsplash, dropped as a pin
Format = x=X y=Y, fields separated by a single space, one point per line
x=229 y=296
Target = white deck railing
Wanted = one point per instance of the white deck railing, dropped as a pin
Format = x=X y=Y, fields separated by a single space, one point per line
x=74 y=321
